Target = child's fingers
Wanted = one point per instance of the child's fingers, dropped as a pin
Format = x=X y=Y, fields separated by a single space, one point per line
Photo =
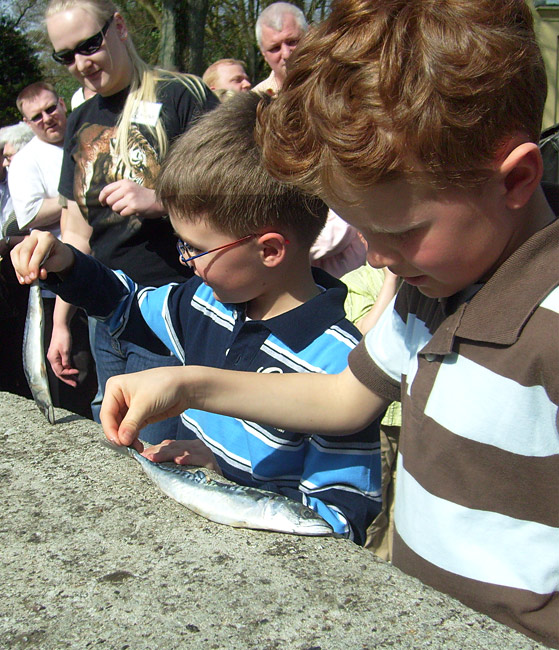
x=112 y=413
x=29 y=257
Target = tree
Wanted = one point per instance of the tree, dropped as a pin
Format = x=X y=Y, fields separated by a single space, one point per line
x=20 y=67
x=184 y=35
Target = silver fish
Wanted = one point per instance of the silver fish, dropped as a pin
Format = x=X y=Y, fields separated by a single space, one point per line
x=228 y=503
x=34 y=353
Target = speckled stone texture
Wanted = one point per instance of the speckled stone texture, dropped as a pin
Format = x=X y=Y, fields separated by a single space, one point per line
x=94 y=556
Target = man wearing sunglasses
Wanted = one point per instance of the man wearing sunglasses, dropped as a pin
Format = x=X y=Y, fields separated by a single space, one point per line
x=35 y=174
x=33 y=183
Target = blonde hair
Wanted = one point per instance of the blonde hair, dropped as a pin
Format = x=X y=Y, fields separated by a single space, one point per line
x=211 y=74
x=144 y=81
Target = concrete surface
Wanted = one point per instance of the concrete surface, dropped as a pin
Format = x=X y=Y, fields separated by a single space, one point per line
x=94 y=556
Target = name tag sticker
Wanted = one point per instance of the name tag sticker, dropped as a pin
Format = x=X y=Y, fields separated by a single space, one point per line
x=147 y=113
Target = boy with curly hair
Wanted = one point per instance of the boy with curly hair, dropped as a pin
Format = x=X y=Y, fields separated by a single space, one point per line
x=418 y=122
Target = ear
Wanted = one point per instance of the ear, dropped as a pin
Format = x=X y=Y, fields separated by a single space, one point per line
x=62 y=103
x=521 y=172
x=121 y=28
x=273 y=248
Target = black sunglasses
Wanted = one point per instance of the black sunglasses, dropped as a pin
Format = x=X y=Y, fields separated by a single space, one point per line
x=87 y=47
x=49 y=110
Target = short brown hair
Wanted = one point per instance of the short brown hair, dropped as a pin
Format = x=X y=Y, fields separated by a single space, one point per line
x=381 y=89
x=31 y=91
x=214 y=171
x=211 y=74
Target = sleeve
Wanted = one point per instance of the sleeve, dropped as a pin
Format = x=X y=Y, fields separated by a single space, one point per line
x=204 y=101
x=66 y=184
x=378 y=360
x=363 y=287
x=113 y=298
x=184 y=100
x=26 y=189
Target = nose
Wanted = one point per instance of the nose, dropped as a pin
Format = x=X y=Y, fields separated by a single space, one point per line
x=380 y=255
x=246 y=85
x=81 y=62
x=48 y=119
x=286 y=51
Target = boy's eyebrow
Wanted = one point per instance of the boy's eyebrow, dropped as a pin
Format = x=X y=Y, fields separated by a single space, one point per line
x=379 y=230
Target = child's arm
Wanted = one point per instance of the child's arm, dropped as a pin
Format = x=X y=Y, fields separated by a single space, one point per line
x=388 y=291
x=306 y=402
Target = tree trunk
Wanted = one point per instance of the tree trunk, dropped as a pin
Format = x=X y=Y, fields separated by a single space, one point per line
x=168 y=38
x=198 y=11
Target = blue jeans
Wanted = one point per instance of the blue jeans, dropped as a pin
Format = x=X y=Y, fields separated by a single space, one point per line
x=116 y=357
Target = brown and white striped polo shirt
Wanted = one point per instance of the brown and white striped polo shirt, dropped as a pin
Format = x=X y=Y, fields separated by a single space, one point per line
x=477 y=494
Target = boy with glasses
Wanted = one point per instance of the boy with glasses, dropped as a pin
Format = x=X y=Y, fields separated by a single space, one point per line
x=255 y=305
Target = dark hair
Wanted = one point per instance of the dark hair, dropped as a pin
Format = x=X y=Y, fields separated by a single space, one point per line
x=214 y=171
x=381 y=89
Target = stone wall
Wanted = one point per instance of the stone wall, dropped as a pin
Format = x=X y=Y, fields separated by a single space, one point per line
x=93 y=555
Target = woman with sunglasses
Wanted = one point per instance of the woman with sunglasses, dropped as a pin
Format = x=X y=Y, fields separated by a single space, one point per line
x=113 y=148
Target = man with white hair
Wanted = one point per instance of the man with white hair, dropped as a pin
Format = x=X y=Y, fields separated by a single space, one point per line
x=12 y=139
x=279 y=28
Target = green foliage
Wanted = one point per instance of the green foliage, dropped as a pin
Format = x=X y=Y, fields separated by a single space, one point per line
x=20 y=67
x=228 y=33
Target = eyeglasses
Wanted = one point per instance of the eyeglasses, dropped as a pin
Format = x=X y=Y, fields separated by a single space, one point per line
x=185 y=249
x=87 y=47
x=49 y=110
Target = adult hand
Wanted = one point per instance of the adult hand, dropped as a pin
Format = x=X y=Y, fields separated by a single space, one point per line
x=39 y=253
x=183 y=452
x=60 y=354
x=128 y=198
x=134 y=400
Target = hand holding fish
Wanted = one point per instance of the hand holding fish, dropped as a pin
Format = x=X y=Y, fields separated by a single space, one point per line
x=183 y=452
x=39 y=253
x=136 y=399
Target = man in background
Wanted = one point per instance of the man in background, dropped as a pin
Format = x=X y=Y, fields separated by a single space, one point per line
x=227 y=74
x=279 y=28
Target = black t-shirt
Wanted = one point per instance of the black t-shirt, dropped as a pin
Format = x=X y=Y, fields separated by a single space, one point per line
x=143 y=248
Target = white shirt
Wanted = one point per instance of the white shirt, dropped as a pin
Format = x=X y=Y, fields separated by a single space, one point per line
x=33 y=176
x=6 y=207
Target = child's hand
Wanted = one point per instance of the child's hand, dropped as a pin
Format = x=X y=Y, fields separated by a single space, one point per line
x=39 y=253
x=134 y=400
x=183 y=452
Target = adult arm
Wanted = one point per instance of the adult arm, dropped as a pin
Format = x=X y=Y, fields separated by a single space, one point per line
x=75 y=231
x=27 y=189
x=47 y=215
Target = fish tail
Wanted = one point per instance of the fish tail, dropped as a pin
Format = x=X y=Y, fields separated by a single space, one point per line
x=48 y=412
x=120 y=449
